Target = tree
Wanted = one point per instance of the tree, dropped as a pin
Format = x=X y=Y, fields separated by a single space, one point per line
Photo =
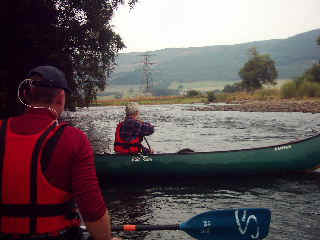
x=231 y=88
x=313 y=73
x=211 y=96
x=192 y=93
x=259 y=70
x=75 y=36
x=89 y=42
x=26 y=40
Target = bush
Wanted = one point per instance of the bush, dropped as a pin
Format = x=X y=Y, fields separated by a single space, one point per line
x=192 y=93
x=266 y=94
x=222 y=97
x=309 y=89
x=313 y=73
x=236 y=87
x=288 y=90
x=211 y=96
x=300 y=89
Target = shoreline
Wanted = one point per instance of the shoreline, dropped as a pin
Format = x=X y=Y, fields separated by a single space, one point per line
x=245 y=105
x=305 y=106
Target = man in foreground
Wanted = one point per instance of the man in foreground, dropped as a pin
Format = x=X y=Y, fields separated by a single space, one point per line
x=45 y=167
x=130 y=132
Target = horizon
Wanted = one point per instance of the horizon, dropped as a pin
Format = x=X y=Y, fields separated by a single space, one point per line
x=223 y=44
x=155 y=25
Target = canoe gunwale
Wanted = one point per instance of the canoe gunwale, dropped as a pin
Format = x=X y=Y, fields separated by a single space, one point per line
x=227 y=151
x=291 y=157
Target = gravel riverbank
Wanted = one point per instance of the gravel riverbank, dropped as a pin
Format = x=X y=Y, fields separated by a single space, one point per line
x=311 y=106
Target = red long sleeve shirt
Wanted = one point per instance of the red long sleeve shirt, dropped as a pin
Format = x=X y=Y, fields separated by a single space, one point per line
x=72 y=167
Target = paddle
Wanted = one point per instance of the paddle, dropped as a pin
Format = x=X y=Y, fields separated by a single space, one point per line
x=231 y=224
x=147 y=143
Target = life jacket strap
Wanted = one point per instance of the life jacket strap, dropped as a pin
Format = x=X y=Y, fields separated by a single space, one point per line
x=73 y=233
x=50 y=147
x=39 y=210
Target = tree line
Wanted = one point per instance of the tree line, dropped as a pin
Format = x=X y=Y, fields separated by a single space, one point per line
x=260 y=70
x=75 y=36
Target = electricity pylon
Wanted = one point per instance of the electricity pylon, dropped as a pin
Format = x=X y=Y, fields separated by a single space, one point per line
x=147 y=72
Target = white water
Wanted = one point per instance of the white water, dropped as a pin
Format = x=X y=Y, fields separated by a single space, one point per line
x=177 y=127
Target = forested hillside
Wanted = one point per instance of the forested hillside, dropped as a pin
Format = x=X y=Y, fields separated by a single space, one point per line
x=219 y=63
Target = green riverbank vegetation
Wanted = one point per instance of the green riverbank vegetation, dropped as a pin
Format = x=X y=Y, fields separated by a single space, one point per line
x=307 y=85
x=268 y=94
x=258 y=82
x=150 y=100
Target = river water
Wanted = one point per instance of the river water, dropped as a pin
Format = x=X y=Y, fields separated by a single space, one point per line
x=293 y=200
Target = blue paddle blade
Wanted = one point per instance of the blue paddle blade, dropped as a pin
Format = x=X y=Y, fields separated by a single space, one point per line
x=233 y=224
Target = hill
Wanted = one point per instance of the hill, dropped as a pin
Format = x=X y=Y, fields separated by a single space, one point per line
x=218 y=63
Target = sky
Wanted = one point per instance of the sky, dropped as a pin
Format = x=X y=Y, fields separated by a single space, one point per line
x=159 y=24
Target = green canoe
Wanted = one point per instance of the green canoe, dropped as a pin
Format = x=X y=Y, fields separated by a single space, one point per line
x=295 y=156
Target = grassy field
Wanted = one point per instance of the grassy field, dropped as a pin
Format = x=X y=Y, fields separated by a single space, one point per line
x=120 y=94
x=151 y=100
x=264 y=94
x=127 y=91
x=201 y=86
x=260 y=95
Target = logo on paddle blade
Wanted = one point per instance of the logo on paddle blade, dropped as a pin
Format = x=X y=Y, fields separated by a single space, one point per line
x=206 y=227
x=243 y=223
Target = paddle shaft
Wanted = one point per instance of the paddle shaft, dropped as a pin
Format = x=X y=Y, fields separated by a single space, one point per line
x=144 y=227
x=147 y=143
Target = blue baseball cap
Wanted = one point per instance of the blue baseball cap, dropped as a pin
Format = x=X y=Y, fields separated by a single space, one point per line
x=52 y=77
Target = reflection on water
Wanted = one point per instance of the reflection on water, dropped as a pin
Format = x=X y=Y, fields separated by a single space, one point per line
x=293 y=200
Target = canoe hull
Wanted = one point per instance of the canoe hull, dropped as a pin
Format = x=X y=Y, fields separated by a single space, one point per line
x=295 y=156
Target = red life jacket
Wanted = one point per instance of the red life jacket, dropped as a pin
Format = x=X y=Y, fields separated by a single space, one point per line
x=125 y=147
x=29 y=204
